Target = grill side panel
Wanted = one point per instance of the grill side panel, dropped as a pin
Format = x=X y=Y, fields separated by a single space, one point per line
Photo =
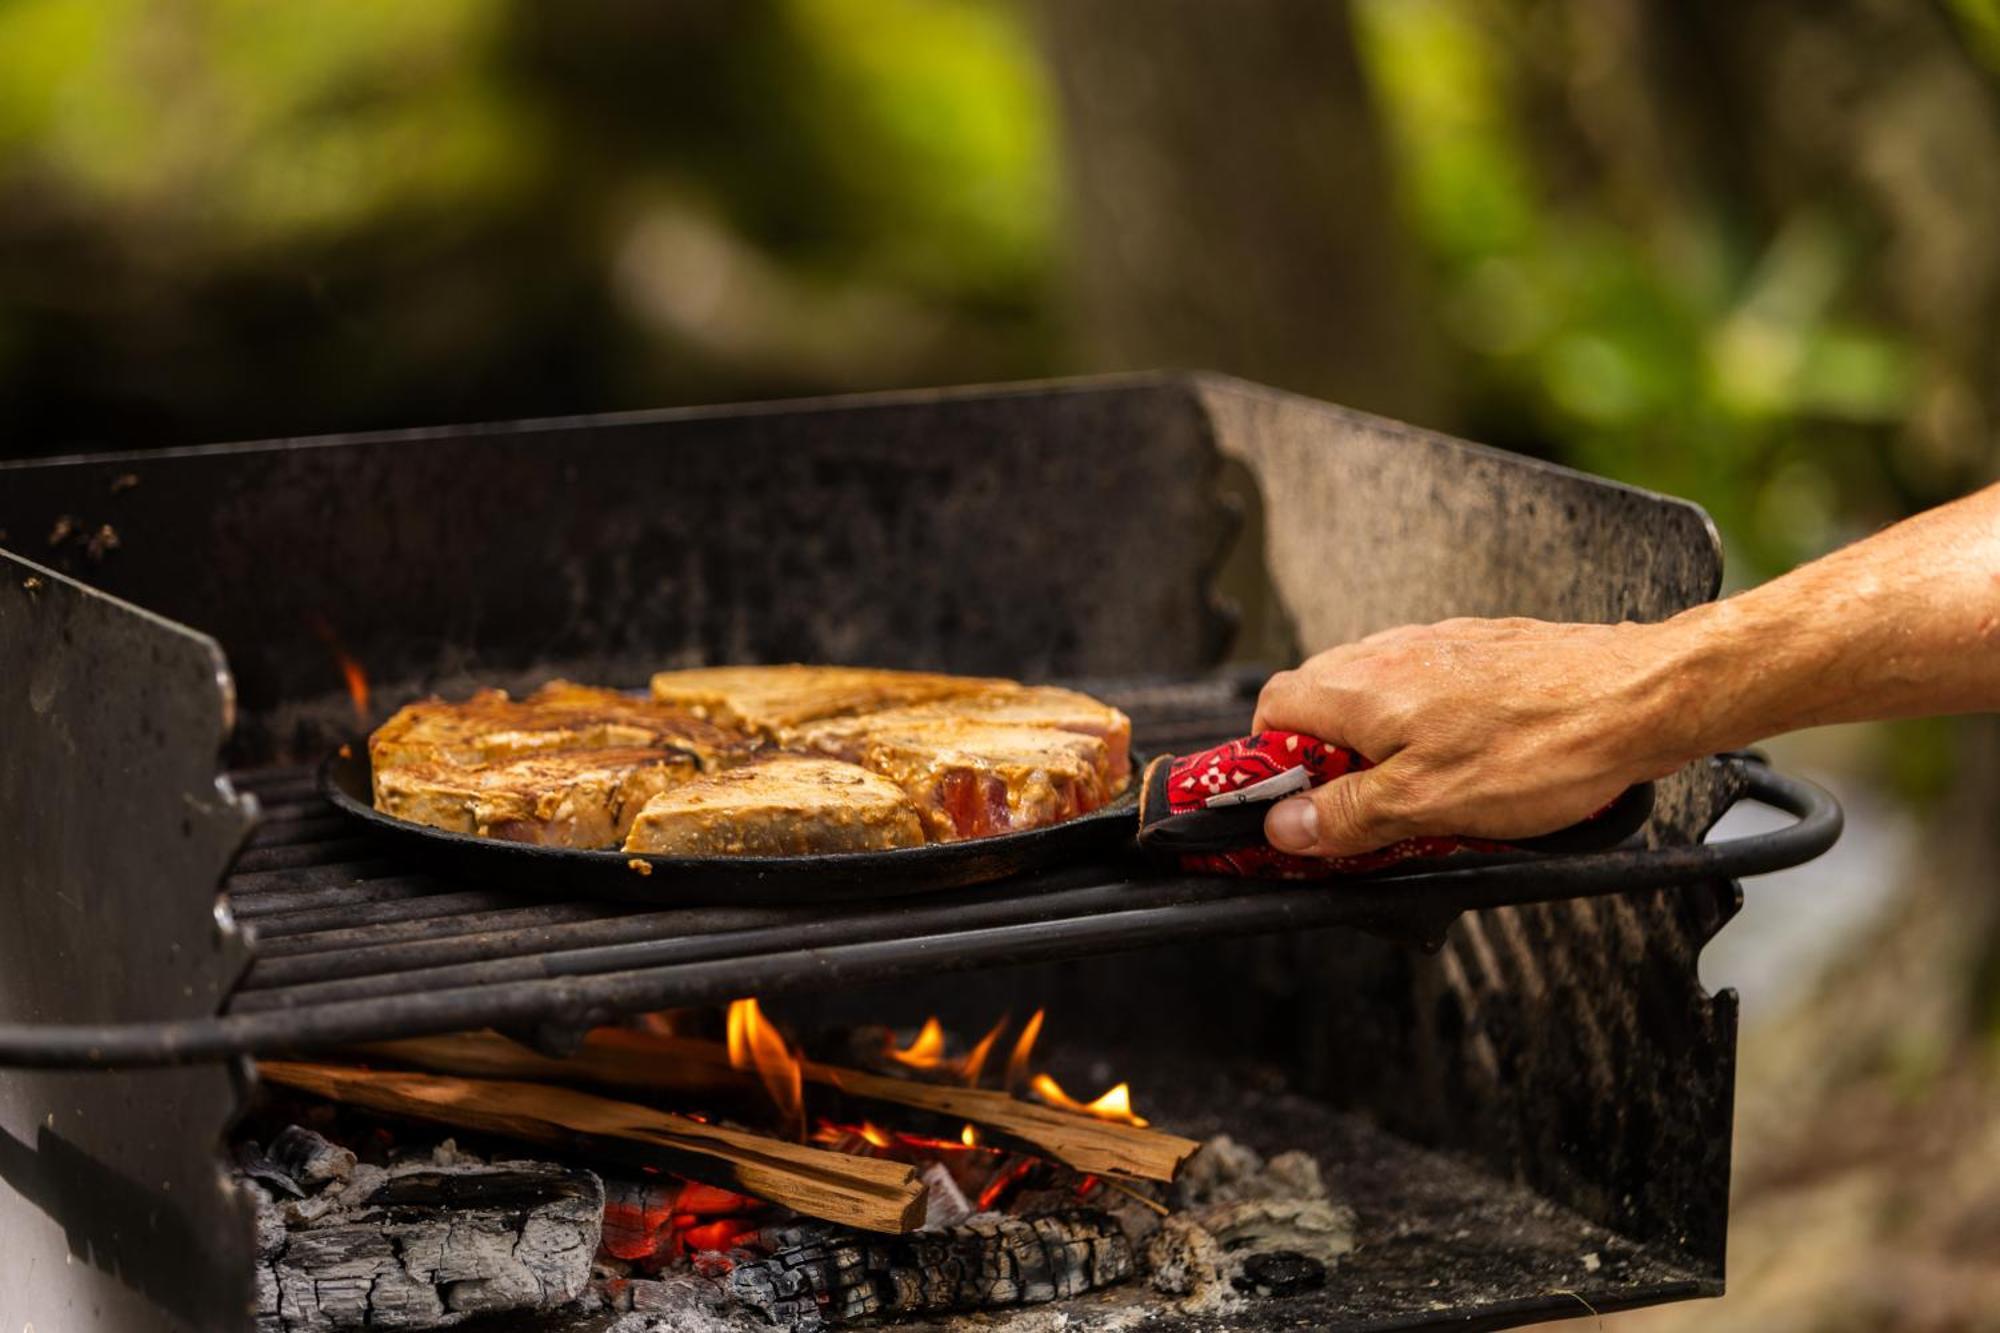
x=114 y=832
x=1569 y=1045
x=1052 y=531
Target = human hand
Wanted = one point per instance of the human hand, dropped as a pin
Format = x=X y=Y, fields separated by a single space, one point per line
x=1487 y=728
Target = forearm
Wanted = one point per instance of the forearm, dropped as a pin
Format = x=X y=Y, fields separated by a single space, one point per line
x=1902 y=624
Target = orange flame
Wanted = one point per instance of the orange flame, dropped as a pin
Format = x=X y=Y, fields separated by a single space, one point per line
x=1024 y=1047
x=1113 y=1105
x=357 y=686
x=756 y=1044
x=974 y=1064
x=926 y=1052
x=350 y=670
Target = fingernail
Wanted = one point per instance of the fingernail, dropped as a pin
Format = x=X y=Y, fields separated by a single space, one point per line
x=1293 y=826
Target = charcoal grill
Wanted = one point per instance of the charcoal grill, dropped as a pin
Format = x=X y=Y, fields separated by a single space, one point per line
x=1530 y=1039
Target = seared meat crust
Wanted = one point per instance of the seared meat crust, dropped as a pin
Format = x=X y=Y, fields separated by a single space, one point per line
x=1043 y=707
x=774 y=700
x=786 y=805
x=781 y=760
x=583 y=798
x=560 y=717
x=972 y=779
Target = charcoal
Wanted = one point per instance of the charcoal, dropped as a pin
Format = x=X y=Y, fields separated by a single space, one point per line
x=309 y=1158
x=1279 y=1273
x=824 y=1275
x=417 y=1245
x=253 y=1162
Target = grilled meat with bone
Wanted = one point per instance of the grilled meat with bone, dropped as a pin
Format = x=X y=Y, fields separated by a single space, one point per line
x=580 y=798
x=781 y=760
x=1043 y=707
x=560 y=717
x=972 y=779
x=786 y=805
x=772 y=701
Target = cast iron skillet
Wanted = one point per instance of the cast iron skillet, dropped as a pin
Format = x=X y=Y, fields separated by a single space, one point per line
x=743 y=881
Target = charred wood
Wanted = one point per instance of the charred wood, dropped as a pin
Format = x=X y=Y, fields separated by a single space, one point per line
x=421 y=1244
x=815 y=1276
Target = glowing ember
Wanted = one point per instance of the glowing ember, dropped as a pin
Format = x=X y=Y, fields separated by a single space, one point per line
x=867 y=1139
x=756 y=1044
x=651 y=1222
x=997 y=1188
x=1113 y=1105
x=1024 y=1048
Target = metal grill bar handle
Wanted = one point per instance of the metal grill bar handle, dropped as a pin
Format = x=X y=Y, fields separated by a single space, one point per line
x=1159 y=911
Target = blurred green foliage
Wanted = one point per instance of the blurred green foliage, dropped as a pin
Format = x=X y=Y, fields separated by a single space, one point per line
x=233 y=124
x=1679 y=353
x=223 y=218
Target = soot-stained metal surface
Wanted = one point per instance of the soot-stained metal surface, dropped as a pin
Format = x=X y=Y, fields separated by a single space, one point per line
x=1064 y=530
x=1434 y=1232
x=114 y=831
x=1571 y=1044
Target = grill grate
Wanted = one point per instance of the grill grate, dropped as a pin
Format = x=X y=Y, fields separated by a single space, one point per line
x=349 y=943
x=335 y=916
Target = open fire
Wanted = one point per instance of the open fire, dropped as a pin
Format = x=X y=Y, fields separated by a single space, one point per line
x=352 y=674
x=707 y=1178
x=926 y=1053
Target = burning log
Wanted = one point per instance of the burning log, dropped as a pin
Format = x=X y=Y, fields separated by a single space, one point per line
x=858 y=1191
x=616 y=1057
x=813 y=1275
x=421 y=1244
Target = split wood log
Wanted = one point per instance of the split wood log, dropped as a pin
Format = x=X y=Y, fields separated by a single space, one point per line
x=861 y=1192
x=814 y=1274
x=621 y=1058
x=422 y=1244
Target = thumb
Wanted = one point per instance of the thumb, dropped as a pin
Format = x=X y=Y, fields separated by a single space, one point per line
x=1355 y=813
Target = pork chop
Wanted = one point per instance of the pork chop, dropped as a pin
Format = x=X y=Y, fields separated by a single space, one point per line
x=576 y=798
x=560 y=717
x=773 y=701
x=969 y=778
x=785 y=805
x=1048 y=707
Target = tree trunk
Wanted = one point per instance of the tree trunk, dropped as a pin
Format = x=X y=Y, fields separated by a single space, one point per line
x=1232 y=208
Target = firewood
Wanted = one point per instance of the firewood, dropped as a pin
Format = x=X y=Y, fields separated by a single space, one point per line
x=858 y=1191
x=617 y=1057
x=422 y=1244
x=813 y=1273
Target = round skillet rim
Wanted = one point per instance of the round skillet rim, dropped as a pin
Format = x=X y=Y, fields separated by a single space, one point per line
x=345 y=779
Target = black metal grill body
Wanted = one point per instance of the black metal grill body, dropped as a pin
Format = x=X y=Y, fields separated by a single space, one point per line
x=1070 y=530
